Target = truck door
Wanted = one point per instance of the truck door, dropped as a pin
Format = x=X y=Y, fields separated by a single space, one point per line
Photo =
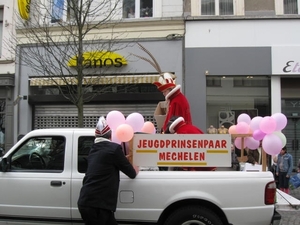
x=83 y=141
x=37 y=184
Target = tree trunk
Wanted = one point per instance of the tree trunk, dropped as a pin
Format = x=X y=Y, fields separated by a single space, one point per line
x=80 y=112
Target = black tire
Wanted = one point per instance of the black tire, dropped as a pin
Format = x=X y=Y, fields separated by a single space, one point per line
x=193 y=215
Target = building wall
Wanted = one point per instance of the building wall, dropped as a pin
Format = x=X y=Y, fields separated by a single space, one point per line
x=161 y=34
x=168 y=54
x=231 y=47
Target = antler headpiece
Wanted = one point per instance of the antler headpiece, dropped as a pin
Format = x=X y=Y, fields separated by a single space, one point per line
x=166 y=80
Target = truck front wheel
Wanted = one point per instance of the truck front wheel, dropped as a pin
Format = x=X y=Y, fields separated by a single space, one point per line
x=193 y=215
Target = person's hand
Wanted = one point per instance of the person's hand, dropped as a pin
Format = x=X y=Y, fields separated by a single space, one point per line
x=287 y=176
x=137 y=169
x=277 y=174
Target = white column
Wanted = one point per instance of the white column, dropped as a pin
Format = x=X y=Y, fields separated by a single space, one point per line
x=275 y=94
x=217 y=8
x=195 y=7
x=239 y=8
x=279 y=7
x=157 y=8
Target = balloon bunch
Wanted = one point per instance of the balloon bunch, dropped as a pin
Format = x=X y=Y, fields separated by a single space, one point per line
x=265 y=129
x=123 y=129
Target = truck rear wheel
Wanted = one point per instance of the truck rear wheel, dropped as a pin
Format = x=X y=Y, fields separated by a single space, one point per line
x=193 y=215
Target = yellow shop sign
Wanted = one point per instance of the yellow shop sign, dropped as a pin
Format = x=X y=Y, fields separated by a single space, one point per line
x=24 y=8
x=99 y=59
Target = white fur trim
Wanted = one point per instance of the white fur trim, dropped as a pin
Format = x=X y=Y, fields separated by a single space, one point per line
x=174 y=124
x=176 y=88
x=100 y=139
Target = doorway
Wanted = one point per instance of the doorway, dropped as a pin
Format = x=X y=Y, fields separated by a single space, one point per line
x=292 y=133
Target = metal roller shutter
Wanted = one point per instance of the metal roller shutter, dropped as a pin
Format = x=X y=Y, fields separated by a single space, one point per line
x=56 y=116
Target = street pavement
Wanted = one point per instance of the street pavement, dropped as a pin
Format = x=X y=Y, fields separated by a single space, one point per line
x=290 y=215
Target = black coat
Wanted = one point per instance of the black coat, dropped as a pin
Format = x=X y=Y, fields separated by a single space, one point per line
x=101 y=181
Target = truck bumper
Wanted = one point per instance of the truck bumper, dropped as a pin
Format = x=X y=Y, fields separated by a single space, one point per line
x=276 y=216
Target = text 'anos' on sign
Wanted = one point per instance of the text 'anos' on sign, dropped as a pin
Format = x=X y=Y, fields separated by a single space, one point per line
x=95 y=59
x=182 y=150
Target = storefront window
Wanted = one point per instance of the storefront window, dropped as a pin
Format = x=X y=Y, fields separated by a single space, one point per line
x=2 y=126
x=236 y=95
x=290 y=107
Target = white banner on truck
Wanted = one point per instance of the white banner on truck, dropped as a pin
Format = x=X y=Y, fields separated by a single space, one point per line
x=186 y=150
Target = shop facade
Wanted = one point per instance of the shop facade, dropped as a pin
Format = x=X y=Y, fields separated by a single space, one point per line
x=7 y=75
x=243 y=66
x=126 y=87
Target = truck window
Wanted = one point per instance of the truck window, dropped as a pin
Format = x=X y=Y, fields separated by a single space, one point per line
x=84 y=145
x=41 y=154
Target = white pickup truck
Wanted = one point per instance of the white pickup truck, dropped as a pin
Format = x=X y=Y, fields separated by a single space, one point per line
x=41 y=176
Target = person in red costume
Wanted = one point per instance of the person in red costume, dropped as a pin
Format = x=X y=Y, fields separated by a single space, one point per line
x=177 y=103
x=177 y=125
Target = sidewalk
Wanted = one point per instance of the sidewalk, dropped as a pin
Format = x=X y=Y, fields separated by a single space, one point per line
x=289 y=207
x=295 y=193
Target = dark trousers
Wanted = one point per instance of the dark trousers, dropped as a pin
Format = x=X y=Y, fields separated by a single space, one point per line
x=97 y=216
x=283 y=180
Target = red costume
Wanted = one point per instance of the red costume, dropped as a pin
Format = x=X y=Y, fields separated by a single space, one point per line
x=179 y=126
x=178 y=104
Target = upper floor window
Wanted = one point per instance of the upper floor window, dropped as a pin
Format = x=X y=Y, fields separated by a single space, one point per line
x=287 y=7
x=217 y=7
x=137 y=8
x=57 y=11
x=290 y=7
x=59 y=6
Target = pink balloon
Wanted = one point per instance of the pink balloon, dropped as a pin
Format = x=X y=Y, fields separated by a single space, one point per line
x=242 y=128
x=114 y=119
x=124 y=132
x=232 y=129
x=281 y=121
x=254 y=124
x=251 y=143
x=114 y=137
x=272 y=144
x=244 y=118
x=258 y=135
x=267 y=125
x=238 y=143
x=148 y=127
x=136 y=121
x=154 y=131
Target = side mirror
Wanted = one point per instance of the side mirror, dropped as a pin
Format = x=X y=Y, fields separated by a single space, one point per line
x=3 y=165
